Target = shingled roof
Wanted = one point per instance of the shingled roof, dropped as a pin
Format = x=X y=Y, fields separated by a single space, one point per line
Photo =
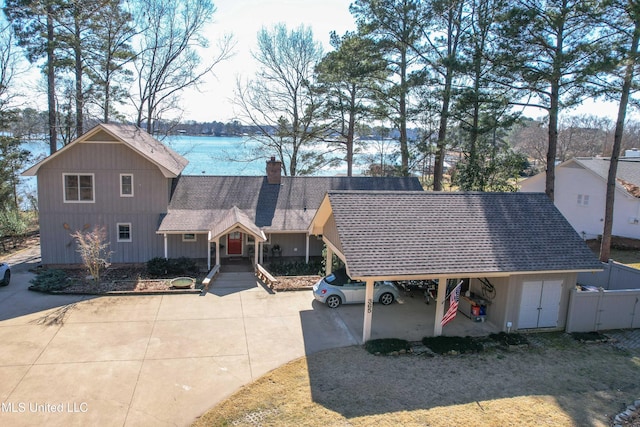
x=425 y=233
x=628 y=173
x=170 y=163
x=197 y=202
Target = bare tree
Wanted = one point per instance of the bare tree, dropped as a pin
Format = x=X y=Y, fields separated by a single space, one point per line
x=281 y=102
x=168 y=60
x=93 y=248
x=10 y=68
x=34 y=24
x=582 y=136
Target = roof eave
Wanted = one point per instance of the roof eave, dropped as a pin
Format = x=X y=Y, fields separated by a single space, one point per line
x=470 y=274
x=33 y=170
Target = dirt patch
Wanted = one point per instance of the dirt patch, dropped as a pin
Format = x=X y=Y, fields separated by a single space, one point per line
x=7 y=247
x=623 y=243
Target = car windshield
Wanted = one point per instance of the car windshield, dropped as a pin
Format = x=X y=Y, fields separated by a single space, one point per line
x=337 y=278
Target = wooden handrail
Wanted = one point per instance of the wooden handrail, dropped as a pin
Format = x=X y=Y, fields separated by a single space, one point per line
x=265 y=276
x=207 y=280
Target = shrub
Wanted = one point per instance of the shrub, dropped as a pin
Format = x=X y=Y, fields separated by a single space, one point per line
x=444 y=345
x=296 y=268
x=93 y=249
x=509 y=339
x=180 y=266
x=588 y=336
x=49 y=280
x=159 y=267
x=386 y=345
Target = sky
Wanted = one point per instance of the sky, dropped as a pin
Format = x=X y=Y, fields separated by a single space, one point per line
x=243 y=19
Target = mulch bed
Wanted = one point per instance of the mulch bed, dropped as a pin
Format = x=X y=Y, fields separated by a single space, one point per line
x=120 y=279
x=295 y=283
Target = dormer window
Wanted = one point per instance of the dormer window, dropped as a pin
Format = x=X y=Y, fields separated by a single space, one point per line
x=126 y=185
x=78 y=188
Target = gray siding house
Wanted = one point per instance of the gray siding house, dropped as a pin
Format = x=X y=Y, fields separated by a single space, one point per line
x=120 y=177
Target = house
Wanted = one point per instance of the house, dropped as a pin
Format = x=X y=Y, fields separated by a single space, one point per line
x=580 y=194
x=514 y=252
x=120 y=177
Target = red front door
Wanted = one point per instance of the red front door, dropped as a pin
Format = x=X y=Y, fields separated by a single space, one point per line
x=234 y=243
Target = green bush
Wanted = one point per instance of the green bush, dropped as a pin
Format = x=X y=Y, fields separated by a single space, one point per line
x=444 y=345
x=157 y=267
x=181 y=266
x=49 y=280
x=588 y=336
x=386 y=345
x=160 y=267
x=297 y=268
x=509 y=339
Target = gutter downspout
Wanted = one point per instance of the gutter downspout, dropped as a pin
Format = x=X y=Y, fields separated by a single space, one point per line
x=166 y=246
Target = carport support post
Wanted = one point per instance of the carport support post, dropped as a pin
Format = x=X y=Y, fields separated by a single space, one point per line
x=218 y=250
x=166 y=246
x=255 y=251
x=442 y=293
x=368 y=311
x=328 y=265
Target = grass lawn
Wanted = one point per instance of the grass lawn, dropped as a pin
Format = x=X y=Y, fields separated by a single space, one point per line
x=628 y=256
x=557 y=381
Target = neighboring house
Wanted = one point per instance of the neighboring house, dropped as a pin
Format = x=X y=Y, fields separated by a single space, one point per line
x=119 y=177
x=519 y=243
x=580 y=193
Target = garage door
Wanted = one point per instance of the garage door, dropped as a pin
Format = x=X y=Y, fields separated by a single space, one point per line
x=540 y=304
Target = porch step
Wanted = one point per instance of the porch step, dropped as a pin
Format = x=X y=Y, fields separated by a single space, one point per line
x=236 y=266
x=239 y=280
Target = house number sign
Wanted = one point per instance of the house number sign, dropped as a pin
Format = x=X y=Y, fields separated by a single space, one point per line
x=369 y=305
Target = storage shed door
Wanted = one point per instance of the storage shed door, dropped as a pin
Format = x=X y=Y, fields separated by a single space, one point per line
x=540 y=304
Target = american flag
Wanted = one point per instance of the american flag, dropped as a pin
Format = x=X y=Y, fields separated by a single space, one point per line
x=454 y=297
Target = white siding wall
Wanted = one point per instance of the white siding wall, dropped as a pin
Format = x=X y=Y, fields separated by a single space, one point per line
x=589 y=219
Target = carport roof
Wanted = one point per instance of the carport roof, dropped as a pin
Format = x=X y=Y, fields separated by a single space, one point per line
x=388 y=234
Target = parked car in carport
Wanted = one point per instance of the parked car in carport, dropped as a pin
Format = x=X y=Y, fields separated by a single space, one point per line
x=5 y=274
x=338 y=288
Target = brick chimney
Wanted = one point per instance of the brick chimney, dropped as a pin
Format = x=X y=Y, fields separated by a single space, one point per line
x=274 y=171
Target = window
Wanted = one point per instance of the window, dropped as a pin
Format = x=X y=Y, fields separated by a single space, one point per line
x=126 y=185
x=78 y=188
x=583 y=200
x=124 y=232
x=189 y=237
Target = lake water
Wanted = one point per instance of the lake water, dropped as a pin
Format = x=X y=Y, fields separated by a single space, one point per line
x=207 y=155
x=210 y=155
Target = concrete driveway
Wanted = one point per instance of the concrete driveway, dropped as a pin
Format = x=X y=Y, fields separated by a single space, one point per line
x=166 y=359
x=147 y=360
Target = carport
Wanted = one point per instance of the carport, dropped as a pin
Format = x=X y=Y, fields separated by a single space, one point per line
x=518 y=242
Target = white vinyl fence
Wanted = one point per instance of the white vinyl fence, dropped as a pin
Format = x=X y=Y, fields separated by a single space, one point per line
x=605 y=300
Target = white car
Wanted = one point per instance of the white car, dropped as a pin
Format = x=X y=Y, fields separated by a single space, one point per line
x=5 y=274
x=337 y=288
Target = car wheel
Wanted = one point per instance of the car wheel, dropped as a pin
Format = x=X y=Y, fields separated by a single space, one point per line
x=6 y=278
x=386 y=298
x=333 y=301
